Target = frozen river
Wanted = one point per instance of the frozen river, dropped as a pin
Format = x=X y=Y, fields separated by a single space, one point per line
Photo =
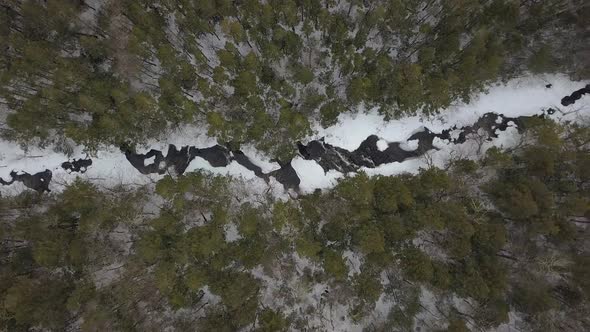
x=358 y=142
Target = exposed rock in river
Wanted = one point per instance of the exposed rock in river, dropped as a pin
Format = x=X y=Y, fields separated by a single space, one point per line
x=329 y=157
x=576 y=95
x=216 y=156
x=38 y=181
x=77 y=165
x=371 y=153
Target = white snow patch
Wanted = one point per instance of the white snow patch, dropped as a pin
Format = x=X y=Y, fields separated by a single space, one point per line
x=522 y=96
x=231 y=233
x=312 y=175
x=410 y=145
x=259 y=159
x=353 y=261
x=382 y=145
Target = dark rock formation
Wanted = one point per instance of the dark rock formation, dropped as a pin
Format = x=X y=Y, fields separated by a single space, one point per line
x=368 y=154
x=38 y=181
x=179 y=158
x=243 y=160
x=77 y=165
x=137 y=160
x=329 y=157
x=217 y=156
x=571 y=99
x=286 y=175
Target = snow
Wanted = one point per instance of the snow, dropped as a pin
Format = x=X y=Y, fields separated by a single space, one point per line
x=523 y=96
x=411 y=145
x=148 y=161
x=382 y=145
x=429 y=315
x=231 y=233
x=232 y=169
x=312 y=175
x=259 y=159
x=107 y=274
x=408 y=166
x=184 y=135
x=110 y=167
x=519 y=97
x=353 y=261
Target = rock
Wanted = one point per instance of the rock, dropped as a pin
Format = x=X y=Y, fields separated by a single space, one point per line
x=38 y=181
x=576 y=95
x=77 y=165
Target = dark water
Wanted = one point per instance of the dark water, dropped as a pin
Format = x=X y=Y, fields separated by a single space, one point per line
x=38 y=181
x=77 y=165
x=576 y=95
x=329 y=157
x=217 y=156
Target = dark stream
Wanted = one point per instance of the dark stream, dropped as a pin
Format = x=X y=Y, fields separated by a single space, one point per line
x=329 y=157
x=576 y=95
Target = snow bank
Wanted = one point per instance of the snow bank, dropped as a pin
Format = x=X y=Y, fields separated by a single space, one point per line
x=523 y=96
x=110 y=167
x=519 y=97
x=312 y=175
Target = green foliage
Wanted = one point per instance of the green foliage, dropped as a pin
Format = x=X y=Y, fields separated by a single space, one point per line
x=409 y=233
x=357 y=195
x=541 y=61
x=329 y=113
x=457 y=325
x=303 y=75
x=391 y=195
x=286 y=214
x=80 y=79
x=496 y=158
x=261 y=73
x=370 y=239
x=533 y=297
x=368 y=287
x=271 y=321
x=358 y=89
x=245 y=84
x=238 y=292
x=205 y=241
x=250 y=222
x=38 y=302
x=308 y=247
x=196 y=278
x=402 y=315
x=334 y=264
x=416 y=265
x=581 y=272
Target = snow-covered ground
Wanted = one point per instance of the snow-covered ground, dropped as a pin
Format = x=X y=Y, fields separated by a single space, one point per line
x=519 y=97
x=524 y=96
x=110 y=167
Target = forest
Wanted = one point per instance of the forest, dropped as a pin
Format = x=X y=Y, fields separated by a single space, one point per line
x=494 y=243
x=481 y=240
x=119 y=72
